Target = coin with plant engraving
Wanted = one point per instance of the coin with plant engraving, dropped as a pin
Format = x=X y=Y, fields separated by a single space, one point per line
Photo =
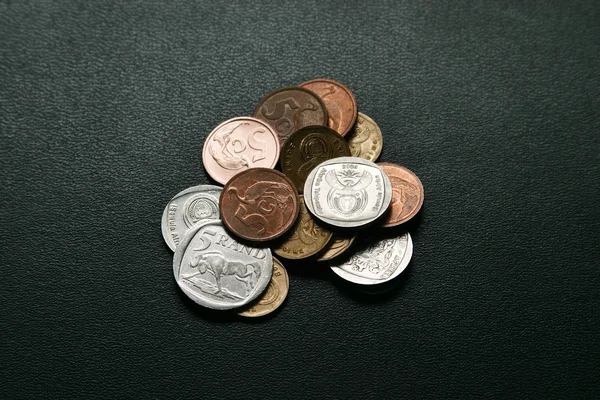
x=237 y=145
x=365 y=140
x=340 y=242
x=273 y=297
x=187 y=209
x=288 y=109
x=259 y=204
x=216 y=271
x=339 y=102
x=407 y=194
x=307 y=148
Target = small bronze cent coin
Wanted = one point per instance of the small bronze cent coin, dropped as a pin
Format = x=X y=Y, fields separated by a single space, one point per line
x=339 y=101
x=407 y=194
x=288 y=109
x=305 y=239
x=340 y=242
x=274 y=296
x=307 y=148
x=259 y=204
x=365 y=140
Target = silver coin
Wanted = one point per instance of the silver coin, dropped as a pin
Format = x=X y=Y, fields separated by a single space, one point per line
x=378 y=262
x=216 y=271
x=187 y=209
x=347 y=192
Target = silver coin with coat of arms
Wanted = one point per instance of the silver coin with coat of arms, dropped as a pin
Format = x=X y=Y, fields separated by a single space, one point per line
x=187 y=209
x=347 y=192
x=216 y=271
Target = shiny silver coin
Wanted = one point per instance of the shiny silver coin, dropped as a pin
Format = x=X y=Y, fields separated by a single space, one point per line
x=347 y=192
x=377 y=262
x=187 y=209
x=216 y=271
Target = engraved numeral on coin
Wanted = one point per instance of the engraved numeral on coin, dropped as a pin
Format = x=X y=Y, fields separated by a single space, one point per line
x=206 y=242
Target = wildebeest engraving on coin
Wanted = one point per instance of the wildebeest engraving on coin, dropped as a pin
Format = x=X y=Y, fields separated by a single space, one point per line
x=340 y=242
x=216 y=271
x=259 y=204
x=238 y=144
x=376 y=262
x=347 y=192
x=307 y=148
x=407 y=194
x=306 y=238
x=288 y=109
x=365 y=140
x=339 y=102
x=274 y=296
x=187 y=209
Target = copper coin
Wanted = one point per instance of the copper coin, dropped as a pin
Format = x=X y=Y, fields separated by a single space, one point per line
x=305 y=239
x=307 y=148
x=259 y=204
x=274 y=296
x=365 y=140
x=238 y=144
x=339 y=101
x=288 y=109
x=407 y=194
x=340 y=242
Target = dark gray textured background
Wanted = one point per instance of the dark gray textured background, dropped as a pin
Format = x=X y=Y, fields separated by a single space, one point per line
x=104 y=107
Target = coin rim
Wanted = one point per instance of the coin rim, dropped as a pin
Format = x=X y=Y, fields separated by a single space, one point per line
x=246 y=312
x=379 y=148
x=416 y=209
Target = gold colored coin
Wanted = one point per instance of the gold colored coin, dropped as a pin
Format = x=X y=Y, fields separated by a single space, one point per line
x=339 y=244
x=306 y=238
x=274 y=295
x=365 y=140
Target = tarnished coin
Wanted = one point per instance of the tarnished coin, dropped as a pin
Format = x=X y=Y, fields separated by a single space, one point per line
x=259 y=204
x=340 y=242
x=187 y=209
x=347 y=192
x=216 y=271
x=307 y=148
x=288 y=109
x=339 y=101
x=239 y=144
x=274 y=296
x=376 y=262
x=305 y=238
x=407 y=194
x=365 y=140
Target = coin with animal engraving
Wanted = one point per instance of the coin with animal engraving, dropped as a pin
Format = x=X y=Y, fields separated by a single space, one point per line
x=339 y=102
x=237 y=145
x=187 y=209
x=340 y=242
x=307 y=148
x=407 y=194
x=259 y=204
x=376 y=261
x=288 y=109
x=347 y=192
x=365 y=140
x=306 y=238
x=273 y=297
x=216 y=271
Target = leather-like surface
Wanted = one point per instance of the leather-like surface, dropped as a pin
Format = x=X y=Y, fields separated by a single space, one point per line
x=104 y=107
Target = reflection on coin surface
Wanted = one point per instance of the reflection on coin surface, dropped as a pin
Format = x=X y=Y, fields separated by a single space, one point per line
x=239 y=144
x=407 y=194
x=365 y=140
x=339 y=102
x=187 y=209
x=274 y=296
x=259 y=204
x=347 y=192
x=376 y=262
x=216 y=271
x=305 y=238
x=340 y=242
x=288 y=109
x=307 y=148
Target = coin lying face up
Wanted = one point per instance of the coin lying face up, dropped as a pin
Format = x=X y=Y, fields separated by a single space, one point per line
x=347 y=192
x=365 y=140
x=273 y=297
x=216 y=271
x=407 y=194
x=187 y=209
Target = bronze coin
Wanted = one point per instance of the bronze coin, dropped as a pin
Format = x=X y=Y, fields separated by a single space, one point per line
x=306 y=238
x=365 y=140
x=259 y=204
x=288 y=109
x=274 y=296
x=339 y=101
x=407 y=194
x=340 y=242
x=307 y=148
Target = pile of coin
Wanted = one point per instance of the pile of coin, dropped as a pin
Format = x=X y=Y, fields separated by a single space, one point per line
x=326 y=190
